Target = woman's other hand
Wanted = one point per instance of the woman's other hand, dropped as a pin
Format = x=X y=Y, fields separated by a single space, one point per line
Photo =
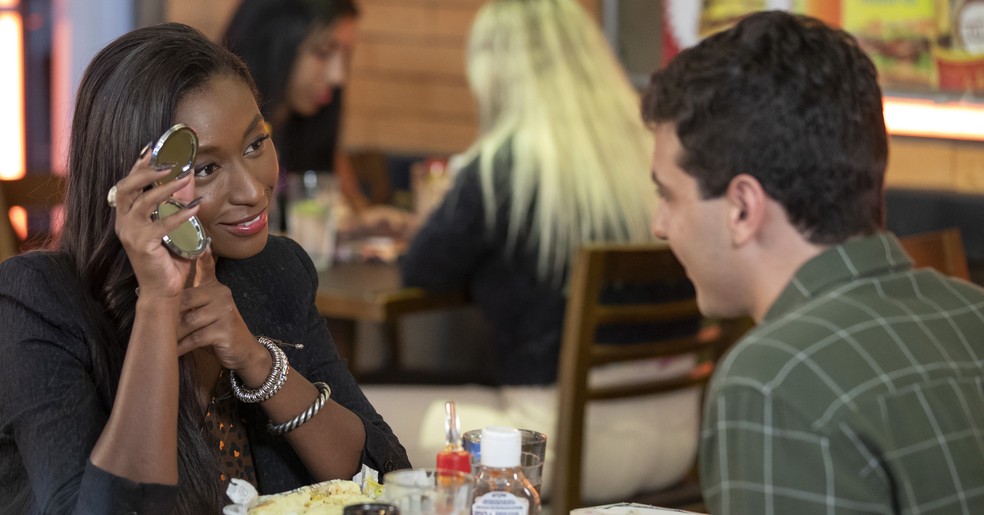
x=210 y=318
x=387 y=221
x=158 y=272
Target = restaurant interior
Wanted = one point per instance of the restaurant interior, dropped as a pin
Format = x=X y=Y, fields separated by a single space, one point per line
x=408 y=110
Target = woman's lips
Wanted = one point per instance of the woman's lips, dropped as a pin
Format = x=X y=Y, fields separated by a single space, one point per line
x=323 y=99
x=249 y=227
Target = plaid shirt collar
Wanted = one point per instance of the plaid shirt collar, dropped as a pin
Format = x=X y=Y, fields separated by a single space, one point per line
x=851 y=260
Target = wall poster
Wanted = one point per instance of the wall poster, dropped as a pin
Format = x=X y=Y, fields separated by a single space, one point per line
x=919 y=46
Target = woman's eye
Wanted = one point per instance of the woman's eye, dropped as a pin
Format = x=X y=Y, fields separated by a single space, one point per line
x=206 y=169
x=325 y=52
x=257 y=144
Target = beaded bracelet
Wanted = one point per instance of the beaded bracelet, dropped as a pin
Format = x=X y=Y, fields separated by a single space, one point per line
x=311 y=411
x=274 y=382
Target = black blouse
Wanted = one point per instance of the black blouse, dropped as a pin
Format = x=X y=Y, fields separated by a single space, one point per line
x=51 y=414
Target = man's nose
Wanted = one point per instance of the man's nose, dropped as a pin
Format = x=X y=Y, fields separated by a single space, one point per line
x=659 y=224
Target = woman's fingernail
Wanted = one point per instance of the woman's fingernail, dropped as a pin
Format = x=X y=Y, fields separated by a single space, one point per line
x=194 y=203
x=183 y=174
x=144 y=150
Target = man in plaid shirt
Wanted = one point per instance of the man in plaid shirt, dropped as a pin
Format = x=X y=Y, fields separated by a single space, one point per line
x=862 y=388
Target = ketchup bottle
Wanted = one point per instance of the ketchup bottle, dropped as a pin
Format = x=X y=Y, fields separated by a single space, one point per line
x=453 y=456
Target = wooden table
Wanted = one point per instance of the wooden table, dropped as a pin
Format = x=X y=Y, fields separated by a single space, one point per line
x=373 y=292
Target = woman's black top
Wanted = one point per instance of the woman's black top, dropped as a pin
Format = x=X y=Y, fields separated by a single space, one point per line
x=51 y=413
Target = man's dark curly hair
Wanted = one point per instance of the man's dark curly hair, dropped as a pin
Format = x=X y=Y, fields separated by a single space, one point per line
x=790 y=101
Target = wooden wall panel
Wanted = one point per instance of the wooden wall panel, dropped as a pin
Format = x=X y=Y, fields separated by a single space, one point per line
x=969 y=167
x=414 y=59
x=936 y=164
x=209 y=17
x=408 y=91
x=417 y=20
x=411 y=135
x=379 y=95
x=920 y=163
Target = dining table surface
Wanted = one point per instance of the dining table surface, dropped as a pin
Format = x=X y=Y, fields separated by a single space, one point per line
x=371 y=291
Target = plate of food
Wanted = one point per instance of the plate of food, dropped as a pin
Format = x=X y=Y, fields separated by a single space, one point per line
x=325 y=498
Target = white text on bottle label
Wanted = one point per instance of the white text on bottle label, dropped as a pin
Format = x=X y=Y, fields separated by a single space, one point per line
x=500 y=503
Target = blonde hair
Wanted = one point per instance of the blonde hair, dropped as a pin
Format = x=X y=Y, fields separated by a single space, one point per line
x=549 y=87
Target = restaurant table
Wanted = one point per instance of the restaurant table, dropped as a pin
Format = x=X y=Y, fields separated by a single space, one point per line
x=373 y=292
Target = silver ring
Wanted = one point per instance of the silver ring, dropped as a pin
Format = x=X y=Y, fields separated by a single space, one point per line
x=111 y=196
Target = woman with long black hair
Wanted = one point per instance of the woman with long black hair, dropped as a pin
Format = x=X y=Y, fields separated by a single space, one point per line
x=132 y=379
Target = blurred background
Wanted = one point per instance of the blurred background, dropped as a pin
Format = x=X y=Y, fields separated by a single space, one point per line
x=408 y=98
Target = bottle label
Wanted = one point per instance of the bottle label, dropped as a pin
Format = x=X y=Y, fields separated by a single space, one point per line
x=500 y=503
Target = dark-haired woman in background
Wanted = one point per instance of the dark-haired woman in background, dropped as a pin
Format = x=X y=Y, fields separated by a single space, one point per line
x=135 y=380
x=299 y=52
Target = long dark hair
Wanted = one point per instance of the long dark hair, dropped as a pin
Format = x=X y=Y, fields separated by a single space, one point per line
x=267 y=34
x=127 y=98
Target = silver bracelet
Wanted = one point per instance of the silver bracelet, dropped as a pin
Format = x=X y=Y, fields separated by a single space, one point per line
x=274 y=382
x=311 y=411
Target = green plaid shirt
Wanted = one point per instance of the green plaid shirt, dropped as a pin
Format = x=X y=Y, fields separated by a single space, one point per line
x=861 y=392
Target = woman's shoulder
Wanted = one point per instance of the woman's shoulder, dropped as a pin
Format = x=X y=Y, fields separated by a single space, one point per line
x=40 y=291
x=35 y=274
x=280 y=254
x=290 y=255
x=282 y=261
x=273 y=289
x=281 y=247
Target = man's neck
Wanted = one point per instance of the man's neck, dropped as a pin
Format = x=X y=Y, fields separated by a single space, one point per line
x=781 y=252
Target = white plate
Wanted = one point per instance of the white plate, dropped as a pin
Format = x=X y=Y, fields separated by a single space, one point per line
x=627 y=508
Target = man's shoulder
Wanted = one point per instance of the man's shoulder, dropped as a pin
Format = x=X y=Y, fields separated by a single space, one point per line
x=855 y=342
x=873 y=308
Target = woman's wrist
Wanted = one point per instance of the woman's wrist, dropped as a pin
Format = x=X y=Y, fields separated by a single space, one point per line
x=158 y=307
x=257 y=367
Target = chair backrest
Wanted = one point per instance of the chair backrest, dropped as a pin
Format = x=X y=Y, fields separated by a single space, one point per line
x=597 y=268
x=942 y=250
x=35 y=193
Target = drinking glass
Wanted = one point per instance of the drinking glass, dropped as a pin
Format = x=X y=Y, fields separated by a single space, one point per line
x=424 y=491
x=311 y=199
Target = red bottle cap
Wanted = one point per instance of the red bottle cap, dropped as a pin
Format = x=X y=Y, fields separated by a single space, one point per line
x=454 y=460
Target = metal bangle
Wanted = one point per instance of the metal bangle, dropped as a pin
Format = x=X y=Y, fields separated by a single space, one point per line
x=310 y=412
x=274 y=382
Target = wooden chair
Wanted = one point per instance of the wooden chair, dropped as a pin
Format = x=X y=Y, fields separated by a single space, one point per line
x=942 y=250
x=597 y=269
x=35 y=193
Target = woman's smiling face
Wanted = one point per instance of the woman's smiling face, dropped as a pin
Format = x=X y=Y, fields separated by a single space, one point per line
x=236 y=166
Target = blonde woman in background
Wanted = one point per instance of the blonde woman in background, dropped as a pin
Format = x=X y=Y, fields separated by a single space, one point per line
x=562 y=159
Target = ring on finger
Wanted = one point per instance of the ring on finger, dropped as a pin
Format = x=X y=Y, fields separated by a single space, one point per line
x=111 y=196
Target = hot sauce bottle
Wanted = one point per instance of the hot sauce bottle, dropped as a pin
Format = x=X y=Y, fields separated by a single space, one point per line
x=453 y=456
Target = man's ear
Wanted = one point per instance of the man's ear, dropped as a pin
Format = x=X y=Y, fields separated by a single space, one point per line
x=746 y=208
